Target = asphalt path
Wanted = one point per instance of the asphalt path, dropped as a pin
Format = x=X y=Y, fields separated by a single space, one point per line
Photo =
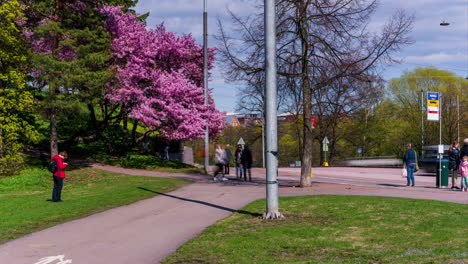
x=147 y=231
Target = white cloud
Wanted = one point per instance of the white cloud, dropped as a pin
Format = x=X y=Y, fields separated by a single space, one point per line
x=437 y=58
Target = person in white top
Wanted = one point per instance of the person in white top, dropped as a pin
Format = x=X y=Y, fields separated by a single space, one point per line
x=220 y=159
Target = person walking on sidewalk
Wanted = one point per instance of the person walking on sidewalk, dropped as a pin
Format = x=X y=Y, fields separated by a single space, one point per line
x=238 y=156
x=410 y=159
x=219 y=161
x=59 y=175
x=464 y=173
x=228 y=155
x=454 y=162
x=246 y=160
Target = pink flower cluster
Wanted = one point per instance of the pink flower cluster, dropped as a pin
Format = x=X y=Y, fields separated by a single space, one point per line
x=159 y=78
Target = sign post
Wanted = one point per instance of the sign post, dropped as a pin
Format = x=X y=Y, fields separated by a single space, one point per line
x=241 y=142
x=325 y=143
x=433 y=106
x=434 y=102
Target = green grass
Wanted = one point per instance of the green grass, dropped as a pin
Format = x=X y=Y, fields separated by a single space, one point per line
x=24 y=209
x=336 y=229
x=148 y=162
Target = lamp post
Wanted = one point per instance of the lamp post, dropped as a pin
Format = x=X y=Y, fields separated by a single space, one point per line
x=272 y=210
x=205 y=81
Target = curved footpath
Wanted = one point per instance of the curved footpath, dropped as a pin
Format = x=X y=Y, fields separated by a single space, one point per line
x=147 y=231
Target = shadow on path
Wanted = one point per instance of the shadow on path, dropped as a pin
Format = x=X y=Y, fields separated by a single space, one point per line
x=203 y=203
x=391 y=185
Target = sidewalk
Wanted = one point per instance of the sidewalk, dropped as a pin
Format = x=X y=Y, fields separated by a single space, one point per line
x=148 y=231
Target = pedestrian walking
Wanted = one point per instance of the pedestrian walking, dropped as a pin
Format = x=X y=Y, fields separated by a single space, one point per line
x=166 y=153
x=228 y=155
x=454 y=162
x=219 y=162
x=246 y=160
x=464 y=173
x=59 y=175
x=410 y=160
x=238 y=155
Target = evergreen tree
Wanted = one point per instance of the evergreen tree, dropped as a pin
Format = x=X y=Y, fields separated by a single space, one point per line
x=15 y=101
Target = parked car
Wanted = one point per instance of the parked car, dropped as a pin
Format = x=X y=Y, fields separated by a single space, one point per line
x=428 y=161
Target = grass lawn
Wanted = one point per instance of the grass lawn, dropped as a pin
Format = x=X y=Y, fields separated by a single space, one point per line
x=24 y=209
x=336 y=229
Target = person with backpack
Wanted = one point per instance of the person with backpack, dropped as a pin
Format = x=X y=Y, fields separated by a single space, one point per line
x=227 y=156
x=454 y=163
x=57 y=167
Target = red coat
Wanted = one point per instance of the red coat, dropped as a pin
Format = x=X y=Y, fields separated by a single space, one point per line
x=60 y=166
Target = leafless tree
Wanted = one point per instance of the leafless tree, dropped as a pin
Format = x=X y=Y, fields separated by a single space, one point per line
x=321 y=44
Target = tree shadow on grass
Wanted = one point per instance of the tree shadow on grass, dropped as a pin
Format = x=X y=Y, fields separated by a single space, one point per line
x=204 y=203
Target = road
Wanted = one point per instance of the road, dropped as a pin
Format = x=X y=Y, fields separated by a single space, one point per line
x=359 y=176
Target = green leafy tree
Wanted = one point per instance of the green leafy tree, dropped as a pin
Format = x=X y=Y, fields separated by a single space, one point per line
x=15 y=101
x=409 y=93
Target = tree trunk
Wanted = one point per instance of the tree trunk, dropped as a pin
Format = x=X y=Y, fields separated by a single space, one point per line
x=53 y=121
x=52 y=89
x=307 y=103
x=94 y=122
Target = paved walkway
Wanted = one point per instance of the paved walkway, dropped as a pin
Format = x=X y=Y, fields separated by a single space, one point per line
x=148 y=231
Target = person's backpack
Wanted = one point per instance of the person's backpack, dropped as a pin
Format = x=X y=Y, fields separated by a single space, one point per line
x=53 y=166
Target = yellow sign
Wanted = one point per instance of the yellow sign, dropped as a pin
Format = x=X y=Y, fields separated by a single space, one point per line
x=433 y=103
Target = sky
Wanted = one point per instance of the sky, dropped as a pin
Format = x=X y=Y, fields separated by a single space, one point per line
x=445 y=48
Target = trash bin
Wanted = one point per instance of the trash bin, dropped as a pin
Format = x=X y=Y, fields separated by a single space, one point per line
x=445 y=172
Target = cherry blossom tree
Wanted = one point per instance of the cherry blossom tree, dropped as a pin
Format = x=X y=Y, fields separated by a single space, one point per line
x=159 y=78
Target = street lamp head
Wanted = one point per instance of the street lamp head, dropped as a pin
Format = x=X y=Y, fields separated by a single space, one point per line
x=444 y=23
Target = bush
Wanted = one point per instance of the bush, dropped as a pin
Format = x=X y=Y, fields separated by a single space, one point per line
x=10 y=165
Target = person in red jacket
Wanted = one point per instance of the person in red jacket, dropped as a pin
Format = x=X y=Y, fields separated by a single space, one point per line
x=59 y=175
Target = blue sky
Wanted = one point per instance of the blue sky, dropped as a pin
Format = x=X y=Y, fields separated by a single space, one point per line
x=445 y=48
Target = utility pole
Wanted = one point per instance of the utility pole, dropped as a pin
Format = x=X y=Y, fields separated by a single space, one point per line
x=272 y=210
x=205 y=81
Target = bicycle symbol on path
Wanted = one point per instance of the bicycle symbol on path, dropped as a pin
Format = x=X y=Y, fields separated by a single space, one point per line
x=53 y=259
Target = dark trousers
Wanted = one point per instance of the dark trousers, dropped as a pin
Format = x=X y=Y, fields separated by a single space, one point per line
x=57 y=192
x=219 y=169
x=226 y=169
x=247 y=170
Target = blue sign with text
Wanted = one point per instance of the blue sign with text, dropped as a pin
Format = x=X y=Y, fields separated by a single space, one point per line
x=433 y=96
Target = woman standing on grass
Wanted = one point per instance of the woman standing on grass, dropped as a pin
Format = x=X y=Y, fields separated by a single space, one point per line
x=410 y=160
x=454 y=162
x=59 y=175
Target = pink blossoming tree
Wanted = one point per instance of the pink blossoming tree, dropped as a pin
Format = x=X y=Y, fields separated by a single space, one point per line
x=159 y=78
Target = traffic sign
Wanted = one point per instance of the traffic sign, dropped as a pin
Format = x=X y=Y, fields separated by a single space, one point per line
x=241 y=142
x=325 y=147
x=433 y=104
x=325 y=140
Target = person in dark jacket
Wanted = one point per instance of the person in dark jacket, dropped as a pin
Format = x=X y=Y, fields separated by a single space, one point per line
x=464 y=149
x=410 y=160
x=59 y=176
x=228 y=154
x=238 y=158
x=246 y=160
x=454 y=162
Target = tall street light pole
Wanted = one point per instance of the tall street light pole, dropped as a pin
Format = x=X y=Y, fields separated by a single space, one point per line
x=272 y=210
x=205 y=81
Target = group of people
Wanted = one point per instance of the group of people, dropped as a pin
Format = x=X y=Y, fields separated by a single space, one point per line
x=243 y=160
x=458 y=162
